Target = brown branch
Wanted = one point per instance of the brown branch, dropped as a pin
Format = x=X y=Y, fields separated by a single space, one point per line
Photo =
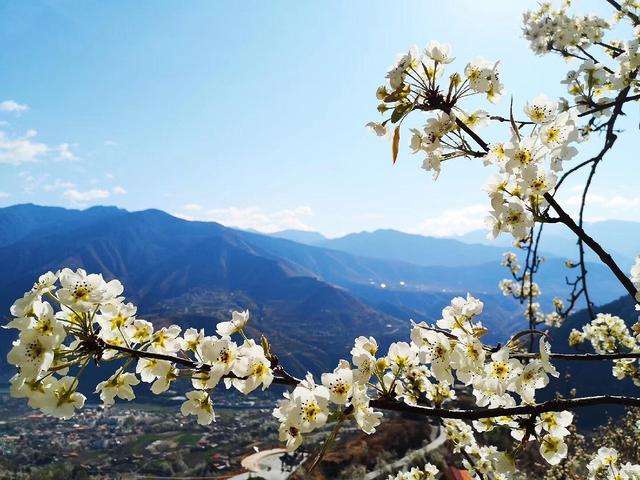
x=593 y=245
x=616 y=50
x=535 y=409
x=566 y=53
x=578 y=357
x=564 y=216
x=463 y=126
x=610 y=139
x=604 y=106
x=498 y=118
x=385 y=403
x=281 y=377
x=617 y=6
x=575 y=169
x=581 y=252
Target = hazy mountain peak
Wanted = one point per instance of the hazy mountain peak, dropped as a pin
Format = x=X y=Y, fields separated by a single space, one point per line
x=413 y=248
x=301 y=236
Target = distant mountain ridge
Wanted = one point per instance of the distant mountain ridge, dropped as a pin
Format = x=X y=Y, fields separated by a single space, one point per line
x=473 y=248
x=310 y=300
x=165 y=263
x=300 y=236
x=391 y=244
x=619 y=237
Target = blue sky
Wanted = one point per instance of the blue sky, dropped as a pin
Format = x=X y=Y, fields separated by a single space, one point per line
x=252 y=113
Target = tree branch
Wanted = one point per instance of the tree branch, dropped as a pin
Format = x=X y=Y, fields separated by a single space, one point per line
x=618 y=7
x=604 y=106
x=281 y=377
x=463 y=126
x=535 y=409
x=593 y=245
x=579 y=357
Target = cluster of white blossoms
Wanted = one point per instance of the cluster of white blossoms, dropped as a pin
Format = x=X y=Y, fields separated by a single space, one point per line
x=549 y=28
x=413 y=85
x=609 y=334
x=606 y=466
x=593 y=84
x=550 y=428
x=70 y=317
x=428 y=472
x=523 y=288
x=528 y=163
x=528 y=166
x=423 y=372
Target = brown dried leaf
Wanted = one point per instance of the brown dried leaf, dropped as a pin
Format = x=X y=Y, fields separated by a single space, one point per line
x=395 y=145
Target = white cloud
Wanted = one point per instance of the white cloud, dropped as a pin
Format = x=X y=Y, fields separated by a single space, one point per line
x=19 y=150
x=64 y=152
x=82 y=197
x=193 y=207
x=32 y=182
x=4 y=195
x=452 y=222
x=25 y=149
x=59 y=184
x=605 y=205
x=71 y=192
x=110 y=143
x=13 y=106
x=252 y=217
x=609 y=202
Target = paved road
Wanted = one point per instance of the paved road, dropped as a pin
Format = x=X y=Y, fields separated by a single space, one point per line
x=406 y=460
x=264 y=464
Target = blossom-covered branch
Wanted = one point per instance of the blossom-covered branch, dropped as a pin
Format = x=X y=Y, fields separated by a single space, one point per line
x=556 y=405
x=71 y=318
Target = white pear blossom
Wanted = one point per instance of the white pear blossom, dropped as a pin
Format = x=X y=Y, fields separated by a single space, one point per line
x=139 y=331
x=149 y=369
x=83 y=291
x=236 y=324
x=61 y=399
x=199 y=403
x=252 y=368
x=116 y=317
x=289 y=432
x=439 y=52
x=192 y=340
x=32 y=353
x=165 y=375
x=553 y=448
x=555 y=423
x=364 y=357
x=220 y=354
x=118 y=385
x=339 y=383
x=166 y=340
x=366 y=417
x=541 y=109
